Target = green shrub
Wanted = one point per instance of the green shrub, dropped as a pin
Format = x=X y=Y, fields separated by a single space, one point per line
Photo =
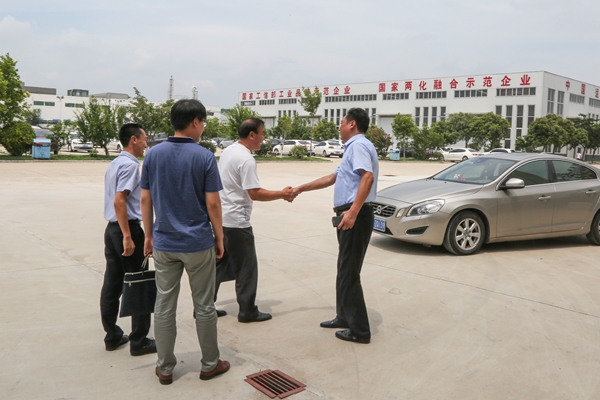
x=299 y=152
x=437 y=156
x=208 y=146
x=94 y=153
x=17 y=138
x=265 y=150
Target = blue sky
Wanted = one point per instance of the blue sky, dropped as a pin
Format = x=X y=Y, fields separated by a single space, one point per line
x=230 y=46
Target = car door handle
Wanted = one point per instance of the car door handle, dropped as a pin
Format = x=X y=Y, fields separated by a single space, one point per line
x=543 y=198
x=591 y=191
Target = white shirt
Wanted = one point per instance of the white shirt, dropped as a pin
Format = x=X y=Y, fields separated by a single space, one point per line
x=237 y=168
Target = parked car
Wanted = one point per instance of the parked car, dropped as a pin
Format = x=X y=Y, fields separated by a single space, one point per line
x=460 y=154
x=275 y=142
x=493 y=198
x=76 y=143
x=329 y=148
x=115 y=145
x=500 y=150
x=288 y=145
x=408 y=151
x=157 y=139
x=226 y=143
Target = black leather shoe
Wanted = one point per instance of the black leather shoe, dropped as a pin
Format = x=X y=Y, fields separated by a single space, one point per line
x=221 y=313
x=349 y=337
x=334 y=323
x=148 y=348
x=261 y=316
x=111 y=347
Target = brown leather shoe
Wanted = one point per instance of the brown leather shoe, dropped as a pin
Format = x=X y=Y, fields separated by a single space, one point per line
x=221 y=368
x=163 y=379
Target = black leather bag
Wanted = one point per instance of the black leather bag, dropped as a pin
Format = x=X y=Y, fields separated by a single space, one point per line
x=139 y=292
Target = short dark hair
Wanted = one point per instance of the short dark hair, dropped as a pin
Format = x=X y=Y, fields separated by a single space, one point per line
x=127 y=131
x=360 y=116
x=249 y=125
x=185 y=111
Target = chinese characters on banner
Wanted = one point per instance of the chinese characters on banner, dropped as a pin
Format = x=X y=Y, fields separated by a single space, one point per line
x=423 y=85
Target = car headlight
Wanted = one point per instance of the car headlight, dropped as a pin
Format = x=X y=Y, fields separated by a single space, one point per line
x=426 y=208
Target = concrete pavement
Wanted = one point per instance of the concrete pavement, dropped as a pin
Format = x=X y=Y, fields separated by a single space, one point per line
x=515 y=321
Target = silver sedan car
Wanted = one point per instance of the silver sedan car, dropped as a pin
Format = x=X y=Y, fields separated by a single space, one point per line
x=493 y=198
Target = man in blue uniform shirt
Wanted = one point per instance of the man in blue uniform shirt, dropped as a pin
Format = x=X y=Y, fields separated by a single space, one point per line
x=124 y=241
x=355 y=187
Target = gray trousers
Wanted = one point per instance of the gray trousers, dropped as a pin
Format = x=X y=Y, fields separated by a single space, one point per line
x=200 y=268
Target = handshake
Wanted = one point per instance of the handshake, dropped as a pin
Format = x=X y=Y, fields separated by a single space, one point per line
x=289 y=193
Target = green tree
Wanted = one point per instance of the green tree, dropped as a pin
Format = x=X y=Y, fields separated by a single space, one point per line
x=550 y=131
x=99 y=122
x=17 y=137
x=12 y=106
x=283 y=128
x=144 y=113
x=404 y=128
x=325 y=130
x=589 y=125
x=33 y=116
x=426 y=138
x=525 y=143
x=461 y=124
x=310 y=103
x=443 y=129
x=163 y=117
x=488 y=130
x=381 y=140
x=594 y=139
x=299 y=128
x=235 y=117
x=214 y=128
x=60 y=135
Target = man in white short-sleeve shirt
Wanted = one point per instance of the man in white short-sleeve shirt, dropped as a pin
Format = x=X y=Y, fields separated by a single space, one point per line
x=241 y=187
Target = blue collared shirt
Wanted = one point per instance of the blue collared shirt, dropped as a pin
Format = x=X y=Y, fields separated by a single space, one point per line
x=359 y=153
x=123 y=173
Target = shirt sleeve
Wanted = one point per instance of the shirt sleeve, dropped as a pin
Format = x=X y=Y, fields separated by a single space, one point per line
x=127 y=177
x=145 y=183
x=248 y=175
x=361 y=158
x=213 y=180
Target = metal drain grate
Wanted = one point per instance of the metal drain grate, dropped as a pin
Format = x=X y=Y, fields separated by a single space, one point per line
x=275 y=383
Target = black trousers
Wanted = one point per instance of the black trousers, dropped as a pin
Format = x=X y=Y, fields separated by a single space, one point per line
x=116 y=266
x=240 y=263
x=350 y=301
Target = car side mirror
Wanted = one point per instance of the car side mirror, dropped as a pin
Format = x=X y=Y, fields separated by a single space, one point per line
x=513 y=183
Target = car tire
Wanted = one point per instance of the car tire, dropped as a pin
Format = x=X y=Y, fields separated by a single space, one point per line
x=594 y=235
x=119 y=149
x=325 y=154
x=341 y=155
x=465 y=234
x=71 y=149
x=276 y=151
x=465 y=158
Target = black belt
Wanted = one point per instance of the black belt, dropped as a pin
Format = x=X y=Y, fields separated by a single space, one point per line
x=130 y=221
x=346 y=207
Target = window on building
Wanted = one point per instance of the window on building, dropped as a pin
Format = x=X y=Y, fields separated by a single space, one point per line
x=38 y=103
x=560 y=100
x=49 y=103
x=575 y=98
x=550 y=109
x=266 y=102
x=431 y=95
x=326 y=112
x=498 y=110
x=425 y=116
x=395 y=96
x=507 y=143
x=442 y=113
x=373 y=115
x=358 y=97
x=520 y=116
x=337 y=117
x=418 y=116
x=509 y=110
x=470 y=93
x=530 y=114
x=279 y=116
x=433 y=115
x=288 y=101
x=248 y=103
x=594 y=102
x=528 y=91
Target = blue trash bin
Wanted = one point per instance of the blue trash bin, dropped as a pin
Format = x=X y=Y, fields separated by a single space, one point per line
x=395 y=155
x=41 y=148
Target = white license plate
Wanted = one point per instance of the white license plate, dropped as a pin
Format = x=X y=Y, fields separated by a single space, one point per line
x=379 y=225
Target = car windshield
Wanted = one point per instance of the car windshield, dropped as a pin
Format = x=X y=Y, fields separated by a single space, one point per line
x=478 y=170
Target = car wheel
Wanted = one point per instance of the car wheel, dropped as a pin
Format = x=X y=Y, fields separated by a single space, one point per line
x=465 y=234
x=119 y=149
x=325 y=154
x=341 y=155
x=276 y=151
x=465 y=158
x=220 y=146
x=594 y=235
x=70 y=148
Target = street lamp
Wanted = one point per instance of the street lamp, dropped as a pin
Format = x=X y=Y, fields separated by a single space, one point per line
x=60 y=98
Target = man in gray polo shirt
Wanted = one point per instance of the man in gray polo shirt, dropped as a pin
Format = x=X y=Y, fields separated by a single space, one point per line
x=124 y=241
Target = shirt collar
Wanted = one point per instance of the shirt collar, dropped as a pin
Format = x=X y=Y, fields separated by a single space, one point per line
x=128 y=155
x=353 y=138
x=180 y=139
